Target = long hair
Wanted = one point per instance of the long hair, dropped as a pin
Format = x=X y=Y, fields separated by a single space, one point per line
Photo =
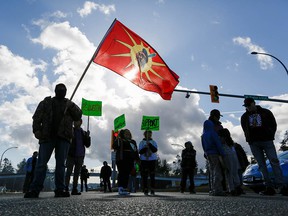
x=225 y=133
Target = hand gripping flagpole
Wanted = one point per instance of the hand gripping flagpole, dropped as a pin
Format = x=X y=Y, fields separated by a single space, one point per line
x=91 y=60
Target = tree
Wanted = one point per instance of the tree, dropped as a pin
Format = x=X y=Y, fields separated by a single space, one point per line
x=21 y=166
x=162 y=168
x=7 y=167
x=284 y=142
x=176 y=170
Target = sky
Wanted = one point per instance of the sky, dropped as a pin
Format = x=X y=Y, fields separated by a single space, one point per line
x=43 y=43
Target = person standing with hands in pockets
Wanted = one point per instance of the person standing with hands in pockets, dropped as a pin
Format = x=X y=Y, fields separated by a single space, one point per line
x=259 y=126
x=148 y=157
x=52 y=126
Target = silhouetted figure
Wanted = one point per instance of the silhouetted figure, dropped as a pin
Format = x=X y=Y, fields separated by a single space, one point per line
x=76 y=154
x=52 y=126
x=188 y=166
x=126 y=154
x=30 y=169
x=105 y=175
x=259 y=126
x=147 y=150
x=214 y=152
x=84 y=177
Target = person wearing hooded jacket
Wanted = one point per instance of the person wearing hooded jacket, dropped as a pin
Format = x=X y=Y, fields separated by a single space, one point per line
x=259 y=126
x=214 y=152
x=52 y=126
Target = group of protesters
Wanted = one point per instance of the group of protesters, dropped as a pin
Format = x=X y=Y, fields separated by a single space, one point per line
x=53 y=127
x=227 y=159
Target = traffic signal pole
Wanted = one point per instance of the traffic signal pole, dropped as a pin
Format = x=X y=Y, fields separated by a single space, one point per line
x=255 y=97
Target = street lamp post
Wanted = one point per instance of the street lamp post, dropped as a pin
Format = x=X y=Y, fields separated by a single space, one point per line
x=3 y=154
x=256 y=53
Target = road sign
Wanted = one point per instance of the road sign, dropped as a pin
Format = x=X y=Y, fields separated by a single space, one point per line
x=256 y=97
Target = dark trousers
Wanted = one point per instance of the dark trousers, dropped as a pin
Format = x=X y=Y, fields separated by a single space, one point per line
x=148 y=169
x=84 y=181
x=187 y=172
x=28 y=180
x=107 y=183
x=124 y=168
x=76 y=164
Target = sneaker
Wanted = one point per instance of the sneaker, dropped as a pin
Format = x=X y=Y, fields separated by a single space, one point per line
x=268 y=191
x=284 y=191
x=31 y=194
x=75 y=192
x=152 y=193
x=146 y=192
x=122 y=191
x=59 y=193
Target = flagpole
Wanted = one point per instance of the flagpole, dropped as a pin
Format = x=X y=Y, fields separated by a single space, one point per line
x=88 y=123
x=95 y=53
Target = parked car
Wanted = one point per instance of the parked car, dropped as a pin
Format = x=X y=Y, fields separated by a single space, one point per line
x=253 y=179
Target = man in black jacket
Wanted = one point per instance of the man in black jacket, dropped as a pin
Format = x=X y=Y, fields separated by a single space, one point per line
x=105 y=175
x=52 y=126
x=188 y=165
x=259 y=126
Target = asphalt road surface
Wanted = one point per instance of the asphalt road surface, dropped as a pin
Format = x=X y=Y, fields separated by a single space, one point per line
x=163 y=203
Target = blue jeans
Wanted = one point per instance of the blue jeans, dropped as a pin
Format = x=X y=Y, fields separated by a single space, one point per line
x=76 y=163
x=61 y=147
x=258 y=149
x=215 y=171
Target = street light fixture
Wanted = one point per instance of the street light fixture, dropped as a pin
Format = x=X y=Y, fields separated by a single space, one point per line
x=3 y=154
x=259 y=53
x=179 y=145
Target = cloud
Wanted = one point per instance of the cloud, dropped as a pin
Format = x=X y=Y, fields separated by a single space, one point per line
x=264 y=60
x=73 y=50
x=89 y=6
x=181 y=119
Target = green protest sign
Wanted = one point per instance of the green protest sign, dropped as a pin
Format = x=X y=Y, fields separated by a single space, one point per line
x=119 y=122
x=91 y=108
x=150 y=123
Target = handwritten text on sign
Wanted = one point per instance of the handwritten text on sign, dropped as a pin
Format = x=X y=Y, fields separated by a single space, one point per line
x=91 y=108
x=150 y=123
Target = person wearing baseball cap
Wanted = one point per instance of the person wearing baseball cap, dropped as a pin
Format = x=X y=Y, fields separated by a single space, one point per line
x=259 y=126
x=215 y=116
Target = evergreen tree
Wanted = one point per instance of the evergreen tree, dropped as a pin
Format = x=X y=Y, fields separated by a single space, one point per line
x=7 y=167
x=177 y=166
x=284 y=142
x=21 y=166
x=162 y=168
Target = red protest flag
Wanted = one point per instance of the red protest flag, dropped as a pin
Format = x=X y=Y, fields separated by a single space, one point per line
x=127 y=54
